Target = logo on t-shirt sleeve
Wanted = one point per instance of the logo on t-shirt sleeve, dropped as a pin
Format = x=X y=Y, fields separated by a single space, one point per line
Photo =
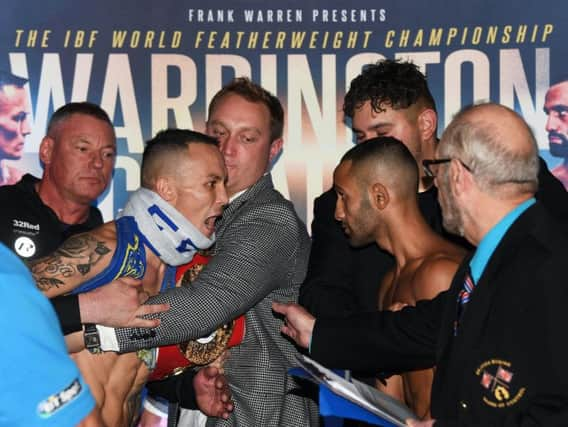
x=25 y=247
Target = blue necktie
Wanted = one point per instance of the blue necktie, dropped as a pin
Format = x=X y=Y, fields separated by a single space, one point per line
x=463 y=298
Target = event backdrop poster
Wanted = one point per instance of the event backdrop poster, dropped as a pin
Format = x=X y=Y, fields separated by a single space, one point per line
x=153 y=65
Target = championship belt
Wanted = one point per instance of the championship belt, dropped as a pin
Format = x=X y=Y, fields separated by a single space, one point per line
x=174 y=359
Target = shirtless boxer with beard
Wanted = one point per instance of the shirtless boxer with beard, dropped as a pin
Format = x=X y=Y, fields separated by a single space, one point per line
x=377 y=186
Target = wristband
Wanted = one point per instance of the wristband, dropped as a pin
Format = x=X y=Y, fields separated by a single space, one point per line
x=92 y=338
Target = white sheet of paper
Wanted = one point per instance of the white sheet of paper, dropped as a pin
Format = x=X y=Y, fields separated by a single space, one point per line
x=359 y=393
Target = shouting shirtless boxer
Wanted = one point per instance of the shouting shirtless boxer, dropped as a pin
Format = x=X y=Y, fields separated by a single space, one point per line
x=162 y=226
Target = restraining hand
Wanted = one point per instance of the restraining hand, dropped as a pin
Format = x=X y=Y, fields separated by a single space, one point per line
x=119 y=304
x=298 y=323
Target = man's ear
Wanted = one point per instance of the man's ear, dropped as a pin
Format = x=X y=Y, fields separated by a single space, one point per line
x=46 y=149
x=427 y=124
x=165 y=189
x=460 y=178
x=275 y=148
x=380 y=197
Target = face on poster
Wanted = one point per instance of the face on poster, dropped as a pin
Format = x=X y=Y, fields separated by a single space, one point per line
x=153 y=66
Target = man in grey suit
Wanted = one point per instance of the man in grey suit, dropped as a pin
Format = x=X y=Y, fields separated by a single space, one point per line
x=260 y=255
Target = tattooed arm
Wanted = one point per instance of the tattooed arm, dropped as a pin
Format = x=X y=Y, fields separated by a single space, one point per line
x=78 y=259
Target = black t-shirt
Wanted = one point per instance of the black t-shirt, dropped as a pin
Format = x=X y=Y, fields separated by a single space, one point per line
x=32 y=230
x=29 y=227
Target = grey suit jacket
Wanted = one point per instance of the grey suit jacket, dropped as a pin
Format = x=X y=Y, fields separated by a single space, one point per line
x=260 y=255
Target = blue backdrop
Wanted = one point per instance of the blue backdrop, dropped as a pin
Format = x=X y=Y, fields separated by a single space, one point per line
x=156 y=64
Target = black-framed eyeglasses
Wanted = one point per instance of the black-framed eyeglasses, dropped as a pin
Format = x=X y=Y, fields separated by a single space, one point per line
x=431 y=165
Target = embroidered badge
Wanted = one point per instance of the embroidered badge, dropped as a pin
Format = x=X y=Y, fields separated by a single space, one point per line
x=46 y=408
x=498 y=382
x=133 y=264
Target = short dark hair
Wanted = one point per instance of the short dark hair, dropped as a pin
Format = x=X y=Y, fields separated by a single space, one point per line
x=167 y=142
x=388 y=153
x=253 y=92
x=9 y=79
x=377 y=147
x=86 y=108
x=391 y=82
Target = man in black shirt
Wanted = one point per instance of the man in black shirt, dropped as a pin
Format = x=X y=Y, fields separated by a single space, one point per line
x=37 y=215
x=78 y=155
x=30 y=227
